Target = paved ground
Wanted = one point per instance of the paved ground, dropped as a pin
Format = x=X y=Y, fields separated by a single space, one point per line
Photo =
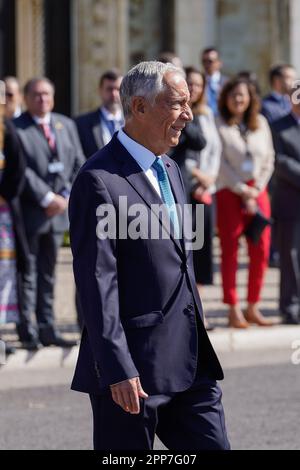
x=260 y=396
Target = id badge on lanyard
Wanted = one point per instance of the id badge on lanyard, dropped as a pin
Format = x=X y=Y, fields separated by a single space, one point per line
x=56 y=167
x=247 y=165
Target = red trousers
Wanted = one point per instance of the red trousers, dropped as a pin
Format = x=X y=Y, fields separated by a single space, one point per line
x=232 y=220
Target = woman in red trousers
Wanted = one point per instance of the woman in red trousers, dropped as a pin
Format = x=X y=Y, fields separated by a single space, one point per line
x=246 y=166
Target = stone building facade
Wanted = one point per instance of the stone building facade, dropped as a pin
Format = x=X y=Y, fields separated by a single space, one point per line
x=73 y=41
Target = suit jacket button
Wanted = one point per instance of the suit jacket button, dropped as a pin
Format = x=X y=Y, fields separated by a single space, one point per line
x=190 y=307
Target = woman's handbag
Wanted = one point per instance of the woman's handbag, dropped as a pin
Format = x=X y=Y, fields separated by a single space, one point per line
x=256 y=226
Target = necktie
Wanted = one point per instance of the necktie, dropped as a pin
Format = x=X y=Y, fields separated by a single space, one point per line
x=212 y=96
x=111 y=126
x=48 y=136
x=166 y=193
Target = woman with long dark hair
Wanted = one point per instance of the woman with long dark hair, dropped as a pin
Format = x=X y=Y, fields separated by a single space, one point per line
x=246 y=166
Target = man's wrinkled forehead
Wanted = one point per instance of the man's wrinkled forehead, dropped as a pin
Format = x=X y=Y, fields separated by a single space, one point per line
x=175 y=84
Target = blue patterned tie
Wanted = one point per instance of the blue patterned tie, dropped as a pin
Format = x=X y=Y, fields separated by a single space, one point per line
x=166 y=192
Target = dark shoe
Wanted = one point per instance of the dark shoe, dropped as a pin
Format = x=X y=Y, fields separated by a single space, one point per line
x=61 y=342
x=208 y=326
x=32 y=345
x=290 y=320
x=9 y=350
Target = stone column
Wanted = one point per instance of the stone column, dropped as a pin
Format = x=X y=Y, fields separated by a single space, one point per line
x=30 y=39
x=295 y=34
x=100 y=43
x=253 y=35
x=195 y=28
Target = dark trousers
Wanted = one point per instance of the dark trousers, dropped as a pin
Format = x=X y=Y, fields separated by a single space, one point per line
x=189 y=420
x=37 y=290
x=289 y=250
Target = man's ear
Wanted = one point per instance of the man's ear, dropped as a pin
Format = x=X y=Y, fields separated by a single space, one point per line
x=138 y=107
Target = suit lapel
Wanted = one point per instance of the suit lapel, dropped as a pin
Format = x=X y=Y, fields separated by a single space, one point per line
x=97 y=132
x=140 y=183
x=39 y=137
x=57 y=127
x=95 y=129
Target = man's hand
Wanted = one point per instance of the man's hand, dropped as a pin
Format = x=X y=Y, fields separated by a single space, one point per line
x=57 y=206
x=127 y=393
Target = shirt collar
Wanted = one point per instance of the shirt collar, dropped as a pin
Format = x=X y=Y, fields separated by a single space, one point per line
x=109 y=116
x=143 y=156
x=215 y=77
x=44 y=120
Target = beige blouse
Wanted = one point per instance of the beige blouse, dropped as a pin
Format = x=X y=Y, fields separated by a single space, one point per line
x=245 y=158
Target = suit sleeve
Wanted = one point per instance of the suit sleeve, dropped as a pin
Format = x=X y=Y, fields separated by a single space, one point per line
x=286 y=167
x=96 y=277
x=35 y=188
x=13 y=179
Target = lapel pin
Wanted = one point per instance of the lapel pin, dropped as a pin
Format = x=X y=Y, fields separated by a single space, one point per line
x=58 y=125
x=168 y=165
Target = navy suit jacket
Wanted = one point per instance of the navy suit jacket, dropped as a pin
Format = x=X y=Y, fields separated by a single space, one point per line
x=141 y=308
x=90 y=132
x=286 y=197
x=274 y=108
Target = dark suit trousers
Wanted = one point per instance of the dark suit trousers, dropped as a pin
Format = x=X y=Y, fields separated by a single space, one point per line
x=189 y=420
x=38 y=283
x=289 y=250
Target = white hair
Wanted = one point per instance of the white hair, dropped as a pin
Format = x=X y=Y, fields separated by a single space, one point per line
x=145 y=79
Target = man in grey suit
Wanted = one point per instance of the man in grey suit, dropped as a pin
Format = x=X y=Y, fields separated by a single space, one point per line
x=54 y=155
x=97 y=127
x=286 y=203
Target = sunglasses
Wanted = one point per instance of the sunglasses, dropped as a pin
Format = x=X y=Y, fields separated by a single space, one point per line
x=209 y=61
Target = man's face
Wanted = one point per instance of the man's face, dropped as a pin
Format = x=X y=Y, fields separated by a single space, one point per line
x=40 y=99
x=211 y=62
x=166 y=118
x=13 y=97
x=110 y=94
x=287 y=80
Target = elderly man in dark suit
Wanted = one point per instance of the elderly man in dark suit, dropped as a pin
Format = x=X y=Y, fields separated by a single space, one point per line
x=96 y=128
x=286 y=204
x=145 y=358
x=53 y=155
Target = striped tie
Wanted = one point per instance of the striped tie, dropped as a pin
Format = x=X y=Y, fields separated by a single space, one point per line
x=166 y=193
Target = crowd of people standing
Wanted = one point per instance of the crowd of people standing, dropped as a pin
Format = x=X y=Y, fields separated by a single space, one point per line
x=239 y=152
